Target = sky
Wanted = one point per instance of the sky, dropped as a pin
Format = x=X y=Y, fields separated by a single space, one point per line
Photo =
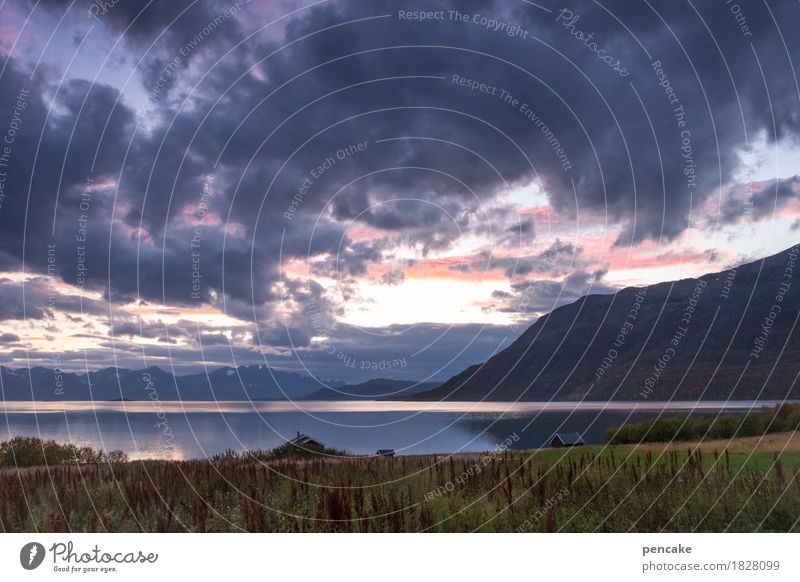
x=354 y=189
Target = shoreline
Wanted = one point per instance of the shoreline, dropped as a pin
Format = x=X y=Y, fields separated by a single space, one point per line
x=277 y=406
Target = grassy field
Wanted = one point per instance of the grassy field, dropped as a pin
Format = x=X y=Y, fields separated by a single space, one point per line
x=678 y=487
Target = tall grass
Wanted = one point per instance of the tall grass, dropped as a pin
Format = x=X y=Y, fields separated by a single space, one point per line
x=675 y=491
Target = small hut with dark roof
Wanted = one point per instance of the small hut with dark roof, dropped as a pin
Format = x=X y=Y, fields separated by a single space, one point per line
x=567 y=439
x=302 y=440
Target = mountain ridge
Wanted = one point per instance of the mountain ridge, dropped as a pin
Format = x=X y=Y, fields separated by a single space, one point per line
x=256 y=382
x=224 y=383
x=690 y=339
x=375 y=389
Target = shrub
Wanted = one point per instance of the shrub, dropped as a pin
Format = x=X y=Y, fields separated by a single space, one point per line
x=290 y=450
x=116 y=456
x=751 y=424
x=723 y=427
x=32 y=451
x=793 y=420
x=784 y=417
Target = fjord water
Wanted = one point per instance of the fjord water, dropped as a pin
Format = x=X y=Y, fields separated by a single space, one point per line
x=180 y=430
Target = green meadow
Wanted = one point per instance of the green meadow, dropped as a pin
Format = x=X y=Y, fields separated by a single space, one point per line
x=679 y=487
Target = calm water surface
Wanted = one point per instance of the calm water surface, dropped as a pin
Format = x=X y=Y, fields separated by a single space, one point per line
x=196 y=429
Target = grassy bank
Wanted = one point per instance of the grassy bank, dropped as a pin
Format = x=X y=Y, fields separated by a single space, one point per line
x=617 y=488
x=780 y=418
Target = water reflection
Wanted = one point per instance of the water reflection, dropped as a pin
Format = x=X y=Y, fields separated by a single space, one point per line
x=176 y=430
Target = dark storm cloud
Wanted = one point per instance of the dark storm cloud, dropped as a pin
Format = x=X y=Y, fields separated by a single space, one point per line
x=210 y=339
x=36 y=298
x=774 y=196
x=146 y=24
x=398 y=215
x=559 y=259
x=350 y=261
x=131 y=328
x=536 y=287
x=58 y=157
x=643 y=176
x=307 y=312
x=183 y=331
x=593 y=112
x=14 y=306
x=533 y=297
x=525 y=227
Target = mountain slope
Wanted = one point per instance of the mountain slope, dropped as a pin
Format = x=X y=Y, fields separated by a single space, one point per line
x=725 y=335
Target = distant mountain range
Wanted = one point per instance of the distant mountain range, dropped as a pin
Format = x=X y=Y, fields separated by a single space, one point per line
x=725 y=335
x=377 y=389
x=242 y=383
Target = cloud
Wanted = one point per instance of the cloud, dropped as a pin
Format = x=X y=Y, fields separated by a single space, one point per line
x=774 y=196
x=14 y=305
x=320 y=140
x=617 y=166
x=9 y=339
